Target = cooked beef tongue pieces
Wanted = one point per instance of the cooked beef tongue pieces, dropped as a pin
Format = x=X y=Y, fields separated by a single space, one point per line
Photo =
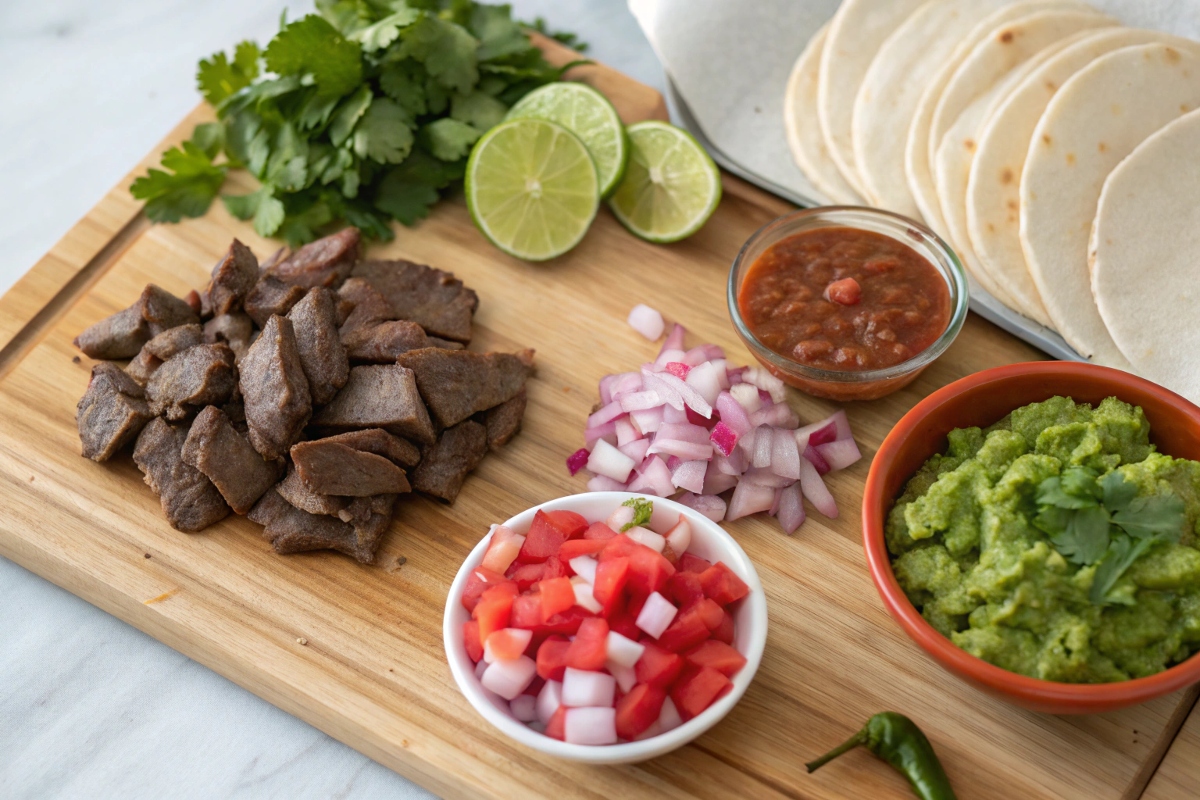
x=382 y=396
x=227 y=458
x=199 y=376
x=368 y=306
x=274 y=389
x=110 y=413
x=123 y=334
x=325 y=262
x=295 y=492
x=381 y=443
x=445 y=465
x=322 y=355
x=384 y=342
x=291 y=530
x=190 y=500
x=160 y=348
x=232 y=279
x=503 y=421
x=271 y=296
x=370 y=517
x=458 y=383
x=435 y=300
x=235 y=329
x=330 y=468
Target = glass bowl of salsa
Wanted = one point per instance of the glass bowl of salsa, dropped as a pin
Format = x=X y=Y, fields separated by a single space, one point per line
x=847 y=303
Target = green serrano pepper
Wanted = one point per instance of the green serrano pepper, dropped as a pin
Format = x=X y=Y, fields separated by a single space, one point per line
x=897 y=740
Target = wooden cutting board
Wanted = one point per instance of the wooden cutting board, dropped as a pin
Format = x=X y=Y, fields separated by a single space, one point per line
x=357 y=651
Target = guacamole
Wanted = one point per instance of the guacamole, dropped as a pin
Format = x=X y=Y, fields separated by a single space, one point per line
x=971 y=548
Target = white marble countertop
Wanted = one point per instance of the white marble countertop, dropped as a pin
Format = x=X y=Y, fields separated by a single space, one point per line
x=89 y=706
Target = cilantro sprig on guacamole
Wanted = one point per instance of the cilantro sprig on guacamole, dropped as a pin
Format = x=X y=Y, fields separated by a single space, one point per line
x=1057 y=543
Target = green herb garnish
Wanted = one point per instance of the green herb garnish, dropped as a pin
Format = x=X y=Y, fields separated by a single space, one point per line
x=362 y=113
x=1102 y=521
x=642 y=511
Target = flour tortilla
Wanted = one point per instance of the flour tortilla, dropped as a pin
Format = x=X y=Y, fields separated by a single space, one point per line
x=994 y=189
x=857 y=31
x=1096 y=119
x=1146 y=237
x=907 y=61
x=917 y=167
x=804 y=130
x=952 y=166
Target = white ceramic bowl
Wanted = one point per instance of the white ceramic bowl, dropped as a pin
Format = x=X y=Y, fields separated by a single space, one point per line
x=709 y=541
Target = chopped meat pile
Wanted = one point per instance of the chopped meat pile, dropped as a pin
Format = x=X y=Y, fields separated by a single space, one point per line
x=307 y=393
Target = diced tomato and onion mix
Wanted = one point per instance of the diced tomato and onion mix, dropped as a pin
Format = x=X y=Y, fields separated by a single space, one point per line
x=691 y=422
x=599 y=632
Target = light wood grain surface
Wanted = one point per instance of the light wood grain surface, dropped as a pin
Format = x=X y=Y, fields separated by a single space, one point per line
x=1178 y=777
x=373 y=672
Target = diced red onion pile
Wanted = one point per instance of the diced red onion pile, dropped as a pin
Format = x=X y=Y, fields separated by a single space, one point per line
x=691 y=422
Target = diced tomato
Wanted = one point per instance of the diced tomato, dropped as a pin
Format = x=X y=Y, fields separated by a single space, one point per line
x=542 y=541
x=527 y=614
x=845 y=292
x=670 y=555
x=556 y=728
x=535 y=686
x=697 y=689
x=638 y=710
x=555 y=568
x=574 y=548
x=507 y=644
x=471 y=640
x=686 y=631
x=684 y=588
x=568 y=622
x=479 y=580
x=589 y=651
x=648 y=571
x=624 y=623
x=526 y=575
x=599 y=532
x=551 y=658
x=711 y=613
x=502 y=549
x=558 y=595
x=611 y=576
x=722 y=585
x=724 y=631
x=494 y=608
x=570 y=523
x=657 y=667
x=717 y=655
x=690 y=563
x=620 y=546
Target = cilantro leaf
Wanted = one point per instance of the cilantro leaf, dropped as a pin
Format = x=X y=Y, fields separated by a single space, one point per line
x=642 y=511
x=449 y=139
x=399 y=82
x=478 y=109
x=385 y=133
x=348 y=114
x=498 y=33
x=1162 y=516
x=1118 y=493
x=311 y=46
x=348 y=16
x=217 y=77
x=1085 y=538
x=1074 y=488
x=262 y=206
x=1120 y=557
x=447 y=51
x=408 y=191
x=187 y=190
x=387 y=30
x=209 y=137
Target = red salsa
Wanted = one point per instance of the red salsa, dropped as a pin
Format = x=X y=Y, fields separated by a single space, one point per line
x=844 y=299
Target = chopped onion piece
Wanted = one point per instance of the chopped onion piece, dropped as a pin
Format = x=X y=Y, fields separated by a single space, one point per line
x=578 y=460
x=523 y=708
x=607 y=432
x=684 y=431
x=706 y=380
x=674 y=416
x=584 y=567
x=737 y=462
x=814 y=457
x=607 y=414
x=842 y=424
x=610 y=462
x=815 y=490
x=716 y=481
x=680 y=535
x=668 y=718
x=599 y=483
x=625 y=676
x=732 y=414
x=763 y=476
x=785 y=457
x=623 y=651
x=548 y=701
x=689 y=476
x=777 y=415
x=654 y=479
x=764 y=443
x=709 y=505
x=585 y=688
x=678 y=369
x=626 y=383
x=646 y=321
x=817 y=433
x=791 y=508
x=502 y=549
x=626 y=433
x=481 y=668
x=509 y=678
x=749 y=498
x=590 y=726
x=654 y=382
x=839 y=454
x=767 y=382
x=674 y=338
x=620 y=517
x=656 y=615
x=666 y=357
x=636 y=449
x=723 y=439
x=640 y=401
x=746 y=396
x=688 y=451
x=691 y=398
x=647 y=420
x=584 y=597
x=654 y=541
x=518 y=636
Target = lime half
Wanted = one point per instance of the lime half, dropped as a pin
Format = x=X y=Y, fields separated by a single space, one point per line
x=532 y=188
x=586 y=113
x=671 y=186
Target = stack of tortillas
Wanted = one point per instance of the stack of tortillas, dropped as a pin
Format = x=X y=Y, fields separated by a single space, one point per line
x=1052 y=148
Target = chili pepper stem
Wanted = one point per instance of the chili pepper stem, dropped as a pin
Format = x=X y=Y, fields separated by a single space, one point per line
x=857 y=740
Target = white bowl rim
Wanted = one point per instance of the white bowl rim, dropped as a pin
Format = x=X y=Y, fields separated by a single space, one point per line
x=733 y=556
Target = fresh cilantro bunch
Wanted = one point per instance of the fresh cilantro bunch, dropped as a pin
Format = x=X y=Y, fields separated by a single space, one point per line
x=1101 y=520
x=364 y=113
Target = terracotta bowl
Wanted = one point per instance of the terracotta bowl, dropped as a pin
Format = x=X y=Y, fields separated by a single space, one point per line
x=980 y=400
